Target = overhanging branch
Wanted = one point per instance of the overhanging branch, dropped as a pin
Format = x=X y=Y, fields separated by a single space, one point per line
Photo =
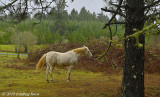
x=110 y=44
x=112 y=11
x=152 y=15
x=108 y=24
x=123 y=6
x=113 y=15
x=8 y=5
x=153 y=4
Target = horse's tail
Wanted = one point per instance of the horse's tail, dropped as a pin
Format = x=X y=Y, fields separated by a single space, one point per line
x=40 y=63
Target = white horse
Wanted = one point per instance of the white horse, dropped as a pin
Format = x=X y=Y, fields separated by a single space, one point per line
x=68 y=58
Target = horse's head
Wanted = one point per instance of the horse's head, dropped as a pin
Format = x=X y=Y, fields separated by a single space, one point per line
x=87 y=51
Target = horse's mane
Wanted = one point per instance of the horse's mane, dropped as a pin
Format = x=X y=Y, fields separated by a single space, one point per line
x=79 y=50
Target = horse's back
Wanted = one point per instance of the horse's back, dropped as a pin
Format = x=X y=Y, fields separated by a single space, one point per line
x=58 y=58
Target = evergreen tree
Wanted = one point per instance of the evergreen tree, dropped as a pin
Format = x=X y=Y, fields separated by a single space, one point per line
x=93 y=15
x=73 y=15
x=60 y=16
x=84 y=14
x=101 y=17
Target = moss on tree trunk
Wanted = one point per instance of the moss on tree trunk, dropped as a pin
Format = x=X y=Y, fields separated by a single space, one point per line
x=133 y=75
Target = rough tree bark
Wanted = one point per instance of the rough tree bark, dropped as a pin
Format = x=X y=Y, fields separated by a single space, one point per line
x=133 y=74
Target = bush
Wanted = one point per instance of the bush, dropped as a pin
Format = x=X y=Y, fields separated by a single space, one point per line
x=112 y=63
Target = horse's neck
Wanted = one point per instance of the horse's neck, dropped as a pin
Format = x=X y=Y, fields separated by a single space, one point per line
x=79 y=51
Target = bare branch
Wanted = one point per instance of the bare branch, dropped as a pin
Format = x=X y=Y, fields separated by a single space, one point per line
x=147 y=11
x=153 y=4
x=8 y=5
x=152 y=15
x=20 y=8
x=109 y=23
x=113 y=15
x=110 y=44
x=114 y=23
x=123 y=6
x=112 y=11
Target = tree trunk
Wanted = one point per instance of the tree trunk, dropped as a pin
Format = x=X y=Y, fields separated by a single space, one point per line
x=133 y=74
x=26 y=49
x=18 y=52
x=15 y=48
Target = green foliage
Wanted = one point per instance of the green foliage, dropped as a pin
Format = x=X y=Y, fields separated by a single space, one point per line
x=6 y=31
x=146 y=31
x=48 y=32
x=58 y=27
x=73 y=15
x=101 y=17
x=57 y=38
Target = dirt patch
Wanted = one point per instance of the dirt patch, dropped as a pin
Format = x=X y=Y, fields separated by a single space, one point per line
x=19 y=67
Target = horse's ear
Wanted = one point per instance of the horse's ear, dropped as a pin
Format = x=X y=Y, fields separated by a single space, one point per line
x=85 y=47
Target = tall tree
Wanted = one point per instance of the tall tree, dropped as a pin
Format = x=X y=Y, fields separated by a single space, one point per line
x=133 y=77
x=101 y=17
x=60 y=17
x=84 y=15
x=94 y=16
x=73 y=15
x=136 y=13
x=24 y=39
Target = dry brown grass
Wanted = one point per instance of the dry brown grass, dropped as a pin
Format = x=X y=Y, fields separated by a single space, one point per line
x=111 y=63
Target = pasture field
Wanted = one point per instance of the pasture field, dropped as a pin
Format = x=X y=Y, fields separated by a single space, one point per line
x=7 y=48
x=11 y=48
x=18 y=79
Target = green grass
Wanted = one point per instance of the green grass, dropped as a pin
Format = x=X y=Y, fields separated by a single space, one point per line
x=83 y=84
x=11 y=48
x=12 y=55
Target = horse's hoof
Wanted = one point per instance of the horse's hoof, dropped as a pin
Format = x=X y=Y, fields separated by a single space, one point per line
x=53 y=81
x=68 y=80
x=59 y=73
x=47 y=81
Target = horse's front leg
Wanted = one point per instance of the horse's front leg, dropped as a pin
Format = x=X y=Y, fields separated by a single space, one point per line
x=69 y=73
x=51 y=70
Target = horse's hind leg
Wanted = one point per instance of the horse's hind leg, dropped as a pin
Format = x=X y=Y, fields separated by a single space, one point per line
x=51 y=70
x=69 y=73
x=47 y=72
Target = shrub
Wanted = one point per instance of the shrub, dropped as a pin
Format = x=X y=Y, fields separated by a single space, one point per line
x=112 y=63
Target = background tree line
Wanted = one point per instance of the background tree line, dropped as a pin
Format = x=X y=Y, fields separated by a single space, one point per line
x=57 y=27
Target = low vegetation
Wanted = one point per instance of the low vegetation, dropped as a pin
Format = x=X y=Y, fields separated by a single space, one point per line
x=18 y=78
x=113 y=62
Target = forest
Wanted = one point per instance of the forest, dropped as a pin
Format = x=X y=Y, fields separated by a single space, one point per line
x=57 y=27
